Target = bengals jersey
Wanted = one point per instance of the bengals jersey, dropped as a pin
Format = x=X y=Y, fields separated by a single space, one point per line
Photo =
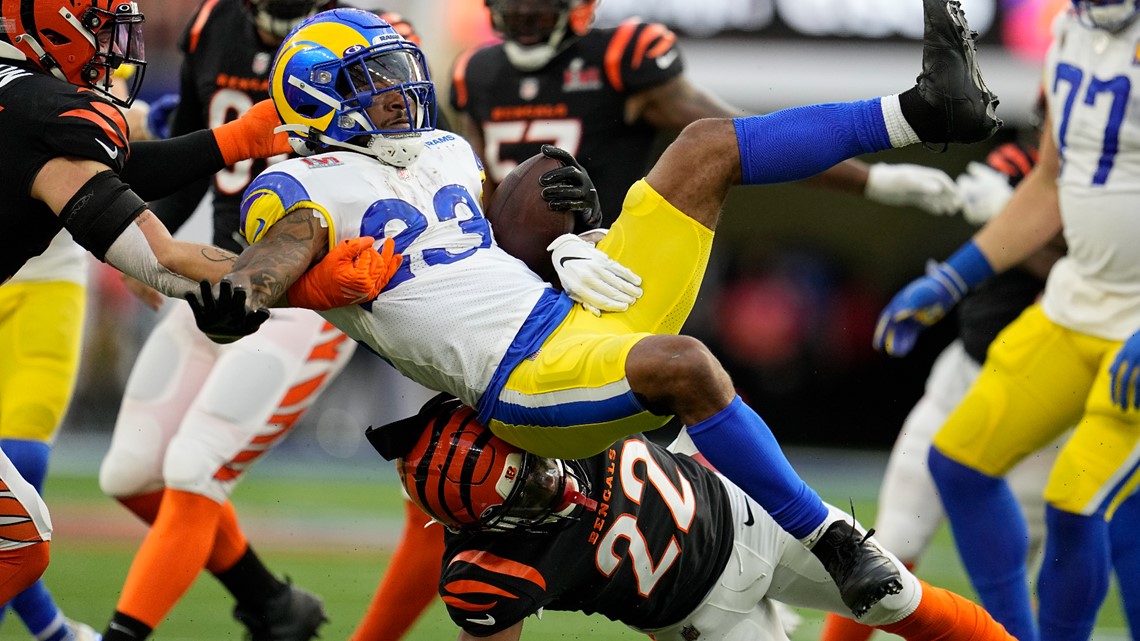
x=657 y=543
x=577 y=102
x=41 y=118
x=225 y=71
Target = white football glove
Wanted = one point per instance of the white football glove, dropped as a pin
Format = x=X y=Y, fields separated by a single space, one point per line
x=590 y=277
x=906 y=185
x=986 y=191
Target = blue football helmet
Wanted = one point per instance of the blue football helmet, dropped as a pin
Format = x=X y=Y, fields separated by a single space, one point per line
x=1110 y=15
x=345 y=79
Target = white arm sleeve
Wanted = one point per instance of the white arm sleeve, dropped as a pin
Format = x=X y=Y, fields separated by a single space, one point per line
x=132 y=255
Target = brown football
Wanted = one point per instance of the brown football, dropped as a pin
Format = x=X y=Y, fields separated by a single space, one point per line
x=522 y=222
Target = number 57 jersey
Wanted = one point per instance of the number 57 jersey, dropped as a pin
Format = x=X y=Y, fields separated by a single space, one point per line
x=451 y=312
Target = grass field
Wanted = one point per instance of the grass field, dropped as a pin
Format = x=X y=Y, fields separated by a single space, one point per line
x=331 y=529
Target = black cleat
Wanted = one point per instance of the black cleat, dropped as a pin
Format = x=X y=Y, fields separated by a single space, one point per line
x=863 y=574
x=290 y=615
x=951 y=82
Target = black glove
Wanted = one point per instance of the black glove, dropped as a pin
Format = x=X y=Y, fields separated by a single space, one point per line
x=569 y=188
x=224 y=318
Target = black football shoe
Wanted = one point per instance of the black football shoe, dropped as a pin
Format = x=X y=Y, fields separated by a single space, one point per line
x=863 y=574
x=951 y=81
x=292 y=614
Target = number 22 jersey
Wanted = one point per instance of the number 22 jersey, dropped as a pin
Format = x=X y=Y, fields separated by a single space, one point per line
x=449 y=317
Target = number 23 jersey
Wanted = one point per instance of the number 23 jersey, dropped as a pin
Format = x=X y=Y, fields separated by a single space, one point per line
x=452 y=310
x=1092 y=79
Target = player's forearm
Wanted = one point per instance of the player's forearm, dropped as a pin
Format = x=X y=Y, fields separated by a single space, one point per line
x=1027 y=223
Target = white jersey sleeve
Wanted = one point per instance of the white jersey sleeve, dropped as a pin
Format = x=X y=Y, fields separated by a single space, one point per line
x=448 y=316
x=63 y=260
x=1092 y=82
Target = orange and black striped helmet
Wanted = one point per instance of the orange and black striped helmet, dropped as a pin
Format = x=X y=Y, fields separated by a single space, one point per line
x=80 y=41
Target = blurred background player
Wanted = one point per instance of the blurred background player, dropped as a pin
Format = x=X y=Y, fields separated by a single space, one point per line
x=196 y=415
x=1068 y=360
x=704 y=559
x=604 y=95
x=909 y=511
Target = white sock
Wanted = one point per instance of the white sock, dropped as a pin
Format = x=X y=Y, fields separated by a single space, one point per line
x=899 y=130
x=833 y=514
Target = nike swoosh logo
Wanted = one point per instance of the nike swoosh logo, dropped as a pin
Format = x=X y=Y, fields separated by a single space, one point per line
x=113 y=153
x=665 y=61
x=487 y=620
x=562 y=263
x=257 y=232
x=750 y=520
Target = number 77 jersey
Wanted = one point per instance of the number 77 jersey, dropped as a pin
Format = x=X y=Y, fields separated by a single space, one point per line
x=449 y=315
x=1092 y=84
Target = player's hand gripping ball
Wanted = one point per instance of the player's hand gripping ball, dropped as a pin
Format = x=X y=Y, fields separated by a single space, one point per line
x=537 y=202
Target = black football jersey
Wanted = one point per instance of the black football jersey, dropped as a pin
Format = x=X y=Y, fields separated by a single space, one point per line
x=656 y=545
x=225 y=71
x=576 y=102
x=41 y=118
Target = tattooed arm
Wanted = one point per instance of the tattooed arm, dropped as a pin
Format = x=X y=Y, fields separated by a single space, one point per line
x=266 y=269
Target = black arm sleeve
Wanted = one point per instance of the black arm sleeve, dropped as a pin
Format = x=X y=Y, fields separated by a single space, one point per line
x=158 y=168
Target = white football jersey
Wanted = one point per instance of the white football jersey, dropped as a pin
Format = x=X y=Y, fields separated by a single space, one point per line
x=63 y=260
x=1089 y=82
x=448 y=316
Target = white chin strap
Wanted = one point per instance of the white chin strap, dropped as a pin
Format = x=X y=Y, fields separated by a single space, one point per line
x=398 y=151
x=535 y=57
x=1112 y=17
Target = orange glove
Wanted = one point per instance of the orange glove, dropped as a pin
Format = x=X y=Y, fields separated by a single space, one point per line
x=402 y=26
x=251 y=135
x=352 y=273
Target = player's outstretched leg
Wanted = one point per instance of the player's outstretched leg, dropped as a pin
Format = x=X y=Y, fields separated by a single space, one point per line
x=863 y=574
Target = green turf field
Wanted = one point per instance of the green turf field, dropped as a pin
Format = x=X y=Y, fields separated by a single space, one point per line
x=331 y=532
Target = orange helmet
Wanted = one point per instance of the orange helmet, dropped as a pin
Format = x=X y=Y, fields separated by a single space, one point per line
x=537 y=30
x=80 y=41
x=466 y=478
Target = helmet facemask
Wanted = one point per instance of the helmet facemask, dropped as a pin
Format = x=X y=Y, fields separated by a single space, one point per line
x=546 y=492
x=1110 y=15
x=278 y=17
x=535 y=31
x=87 y=48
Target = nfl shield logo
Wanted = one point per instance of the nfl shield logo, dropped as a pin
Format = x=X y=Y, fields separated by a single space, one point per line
x=261 y=63
x=528 y=88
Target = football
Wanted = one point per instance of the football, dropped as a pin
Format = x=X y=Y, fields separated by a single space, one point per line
x=522 y=222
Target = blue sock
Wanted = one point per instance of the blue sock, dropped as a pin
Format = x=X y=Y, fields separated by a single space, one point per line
x=1074 y=576
x=739 y=444
x=1124 y=535
x=797 y=143
x=34 y=605
x=992 y=538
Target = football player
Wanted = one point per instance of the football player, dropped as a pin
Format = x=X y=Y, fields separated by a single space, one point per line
x=637 y=533
x=909 y=511
x=195 y=415
x=70 y=167
x=463 y=317
x=1068 y=360
x=604 y=95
